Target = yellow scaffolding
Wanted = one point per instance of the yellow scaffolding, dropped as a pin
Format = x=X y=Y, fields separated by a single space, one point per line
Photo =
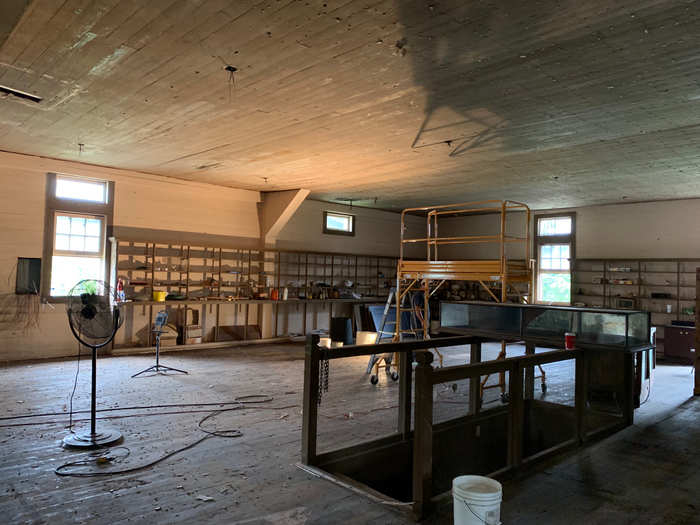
x=430 y=274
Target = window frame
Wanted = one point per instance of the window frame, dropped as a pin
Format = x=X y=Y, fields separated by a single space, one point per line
x=330 y=231
x=561 y=239
x=60 y=205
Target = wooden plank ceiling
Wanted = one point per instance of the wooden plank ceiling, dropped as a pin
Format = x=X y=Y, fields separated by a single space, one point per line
x=554 y=103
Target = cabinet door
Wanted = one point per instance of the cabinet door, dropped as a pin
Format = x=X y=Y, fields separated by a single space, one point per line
x=678 y=341
x=671 y=336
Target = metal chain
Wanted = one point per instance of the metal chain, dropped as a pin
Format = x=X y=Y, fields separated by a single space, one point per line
x=324 y=373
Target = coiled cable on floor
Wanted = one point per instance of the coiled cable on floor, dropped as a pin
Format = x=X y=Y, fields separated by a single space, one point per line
x=107 y=457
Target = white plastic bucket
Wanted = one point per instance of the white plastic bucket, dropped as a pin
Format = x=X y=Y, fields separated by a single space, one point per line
x=477 y=500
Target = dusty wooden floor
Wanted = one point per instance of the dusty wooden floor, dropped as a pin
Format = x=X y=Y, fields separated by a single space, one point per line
x=642 y=475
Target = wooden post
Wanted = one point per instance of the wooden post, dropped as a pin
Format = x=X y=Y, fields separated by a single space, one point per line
x=245 y=321
x=581 y=395
x=529 y=373
x=516 y=417
x=474 y=389
x=696 y=390
x=423 y=436
x=426 y=311
x=628 y=385
x=309 y=425
x=405 y=380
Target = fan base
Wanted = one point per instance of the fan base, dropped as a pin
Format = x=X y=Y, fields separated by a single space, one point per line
x=104 y=436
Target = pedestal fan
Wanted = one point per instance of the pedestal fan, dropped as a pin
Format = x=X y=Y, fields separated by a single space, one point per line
x=94 y=318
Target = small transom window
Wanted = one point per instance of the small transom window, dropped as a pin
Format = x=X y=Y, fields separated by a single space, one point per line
x=554 y=226
x=81 y=189
x=338 y=223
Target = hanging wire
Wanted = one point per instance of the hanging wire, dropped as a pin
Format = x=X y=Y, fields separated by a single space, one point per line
x=231 y=79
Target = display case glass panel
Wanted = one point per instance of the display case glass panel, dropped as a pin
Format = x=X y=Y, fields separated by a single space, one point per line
x=606 y=327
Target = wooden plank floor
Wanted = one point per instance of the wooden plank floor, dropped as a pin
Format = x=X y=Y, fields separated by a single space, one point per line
x=253 y=479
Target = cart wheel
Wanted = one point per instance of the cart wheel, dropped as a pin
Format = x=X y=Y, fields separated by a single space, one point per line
x=544 y=388
x=505 y=398
x=374 y=379
x=394 y=376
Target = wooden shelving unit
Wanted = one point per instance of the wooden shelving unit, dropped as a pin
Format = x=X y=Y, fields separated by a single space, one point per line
x=216 y=279
x=604 y=282
x=304 y=274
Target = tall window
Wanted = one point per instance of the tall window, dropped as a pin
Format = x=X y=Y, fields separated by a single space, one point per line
x=555 y=247
x=78 y=213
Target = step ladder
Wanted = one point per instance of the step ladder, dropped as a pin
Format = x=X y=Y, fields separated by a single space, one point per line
x=417 y=293
x=385 y=361
x=388 y=329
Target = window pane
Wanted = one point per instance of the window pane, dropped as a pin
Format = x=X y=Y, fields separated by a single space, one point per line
x=554 y=226
x=556 y=251
x=555 y=287
x=77 y=226
x=62 y=224
x=83 y=190
x=546 y=251
x=67 y=271
x=565 y=251
x=62 y=242
x=92 y=227
x=92 y=244
x=77 y=243
x=339 y=222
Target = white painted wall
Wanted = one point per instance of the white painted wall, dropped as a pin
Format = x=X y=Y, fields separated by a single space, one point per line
x=141 y=200
x=658 y=229
x=376 y=231
x=651 y=229
x=638 y=230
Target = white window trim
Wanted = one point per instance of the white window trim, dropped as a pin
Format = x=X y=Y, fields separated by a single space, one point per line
x=68 y=206
x=560 y=238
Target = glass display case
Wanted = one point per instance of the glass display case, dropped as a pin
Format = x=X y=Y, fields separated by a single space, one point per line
x=593 y=326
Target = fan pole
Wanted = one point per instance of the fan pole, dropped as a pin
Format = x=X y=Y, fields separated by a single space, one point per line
x=93 y=402
x=91 y=310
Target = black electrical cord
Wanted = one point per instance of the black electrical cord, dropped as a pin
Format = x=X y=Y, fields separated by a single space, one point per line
x=135 y=407
x=75 y=384
x=106 y=458
x=142 y=414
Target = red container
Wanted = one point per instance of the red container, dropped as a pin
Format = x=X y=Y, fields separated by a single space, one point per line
x=569 y=340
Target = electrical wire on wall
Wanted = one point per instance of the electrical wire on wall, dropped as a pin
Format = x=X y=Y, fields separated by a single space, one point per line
x=19 y=311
